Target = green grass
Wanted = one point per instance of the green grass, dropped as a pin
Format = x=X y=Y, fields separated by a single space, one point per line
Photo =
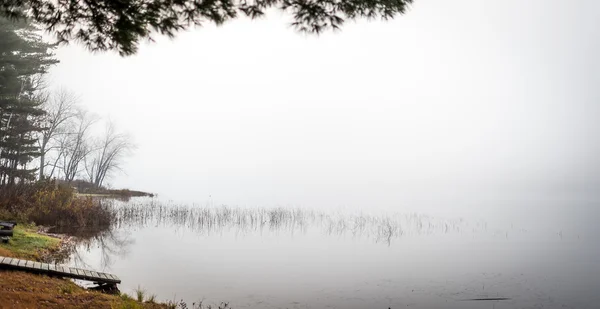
x=67 y=288
x=129 y=302
x=27 y=244
x=140 y=294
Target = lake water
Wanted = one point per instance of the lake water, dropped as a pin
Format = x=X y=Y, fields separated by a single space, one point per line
x=541 y=256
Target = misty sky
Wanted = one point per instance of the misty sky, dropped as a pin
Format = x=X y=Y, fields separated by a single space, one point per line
x=454 y=102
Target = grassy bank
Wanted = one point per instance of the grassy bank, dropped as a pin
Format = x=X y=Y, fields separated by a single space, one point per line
x=26 y=243
x=24 y=290
x=49 y=204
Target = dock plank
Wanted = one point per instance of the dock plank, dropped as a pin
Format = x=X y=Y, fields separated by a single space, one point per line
x=60 y=270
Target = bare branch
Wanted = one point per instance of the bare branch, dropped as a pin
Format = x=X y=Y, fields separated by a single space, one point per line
x=112 y=148
x=60 y=108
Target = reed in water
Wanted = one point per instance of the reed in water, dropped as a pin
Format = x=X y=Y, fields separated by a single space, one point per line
x=207 y=220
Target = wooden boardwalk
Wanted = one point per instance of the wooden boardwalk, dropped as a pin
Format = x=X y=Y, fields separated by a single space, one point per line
x=58 y=270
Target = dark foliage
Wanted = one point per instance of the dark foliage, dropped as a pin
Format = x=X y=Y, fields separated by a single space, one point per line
x=24 y=57
x=120 y=24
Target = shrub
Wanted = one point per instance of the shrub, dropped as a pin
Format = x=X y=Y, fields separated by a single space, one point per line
x=47 y=203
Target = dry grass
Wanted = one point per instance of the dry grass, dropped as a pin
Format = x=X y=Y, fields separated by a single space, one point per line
x=22 y=290
x=7 y=253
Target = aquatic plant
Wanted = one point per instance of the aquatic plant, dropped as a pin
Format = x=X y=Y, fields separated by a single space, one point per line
x=206 y=220
x=199 y=305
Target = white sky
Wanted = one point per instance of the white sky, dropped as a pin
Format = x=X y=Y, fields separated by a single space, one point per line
x=455 y=101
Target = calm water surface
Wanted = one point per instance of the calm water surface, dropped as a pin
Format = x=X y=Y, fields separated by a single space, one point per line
x=547 y=257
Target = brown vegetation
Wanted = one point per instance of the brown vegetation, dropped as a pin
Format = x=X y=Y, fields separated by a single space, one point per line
x=23 y=290
x=47 y=203
x=6 y=253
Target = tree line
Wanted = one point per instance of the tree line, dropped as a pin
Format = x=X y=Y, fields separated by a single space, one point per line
x=47 y=134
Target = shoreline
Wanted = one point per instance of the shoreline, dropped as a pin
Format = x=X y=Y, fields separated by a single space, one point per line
x=116 y=193
x=20 y=289
x=65 y=246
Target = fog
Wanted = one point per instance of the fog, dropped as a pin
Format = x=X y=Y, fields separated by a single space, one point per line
x=457 y=105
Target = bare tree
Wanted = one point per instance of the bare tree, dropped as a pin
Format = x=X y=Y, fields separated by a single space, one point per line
x=60 y=108
x=74 y=146
x=61 y=145
x=108 y=156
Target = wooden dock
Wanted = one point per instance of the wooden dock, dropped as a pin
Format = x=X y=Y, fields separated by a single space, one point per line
x=58 y=271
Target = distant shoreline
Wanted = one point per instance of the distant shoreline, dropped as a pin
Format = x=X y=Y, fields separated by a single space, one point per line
x=115 y=193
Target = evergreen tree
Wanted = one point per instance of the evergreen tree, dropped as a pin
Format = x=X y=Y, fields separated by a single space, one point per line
x=24 y=58
x=120 y=24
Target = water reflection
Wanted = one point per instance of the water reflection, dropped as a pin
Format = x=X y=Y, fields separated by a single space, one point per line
x=298 y=258
x=111 y=243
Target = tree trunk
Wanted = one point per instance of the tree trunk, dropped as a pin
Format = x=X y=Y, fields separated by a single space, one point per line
x=42 y=159
x=43 y=155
